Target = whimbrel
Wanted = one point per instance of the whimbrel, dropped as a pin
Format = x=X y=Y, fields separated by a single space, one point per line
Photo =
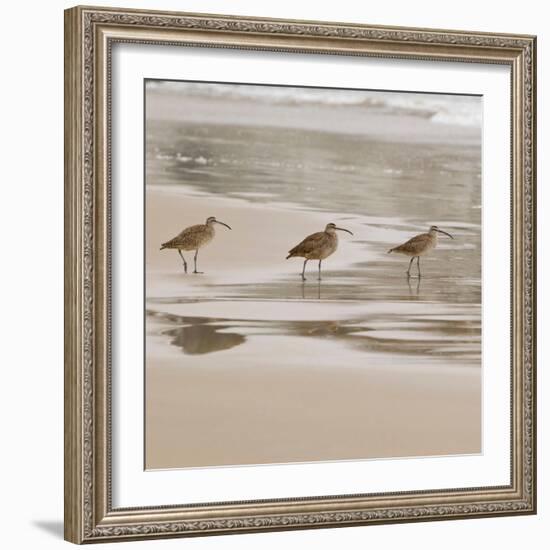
x=193 y=238
x=317 y=246
x=419 y=246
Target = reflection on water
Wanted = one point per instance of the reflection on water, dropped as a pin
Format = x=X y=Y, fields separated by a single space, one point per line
x=313 y=291
x=203 y=338
x=414 y=287
x=372 y=281
x=415 y=333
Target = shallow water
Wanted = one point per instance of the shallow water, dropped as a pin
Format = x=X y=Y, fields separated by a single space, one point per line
x=421 y=183
x=394 y=191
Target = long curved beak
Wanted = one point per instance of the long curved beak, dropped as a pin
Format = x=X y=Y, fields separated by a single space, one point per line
x=342 y=229
x=445 y=233
x=221 y=223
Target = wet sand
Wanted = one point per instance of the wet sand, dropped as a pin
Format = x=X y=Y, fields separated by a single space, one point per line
x=247 y=365
x=252 y=252
x=213 y=414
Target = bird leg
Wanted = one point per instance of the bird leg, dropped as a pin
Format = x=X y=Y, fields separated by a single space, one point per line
x=319 y=278
x=418 y=265
x=184 y=262
x=304 y=270
x=195 y=259
x=409 y=270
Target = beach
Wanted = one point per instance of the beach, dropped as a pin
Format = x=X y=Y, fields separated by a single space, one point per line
x=247 y=364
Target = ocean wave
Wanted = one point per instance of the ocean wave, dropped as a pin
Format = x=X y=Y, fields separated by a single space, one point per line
x=438 y=108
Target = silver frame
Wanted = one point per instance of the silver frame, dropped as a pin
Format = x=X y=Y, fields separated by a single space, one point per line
x=89 y=36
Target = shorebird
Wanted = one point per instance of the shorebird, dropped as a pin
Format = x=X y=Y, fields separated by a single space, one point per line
x=193 y=238
x=317 y=246
x=419 y=246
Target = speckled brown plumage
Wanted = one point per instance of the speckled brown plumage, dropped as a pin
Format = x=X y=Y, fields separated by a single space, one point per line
x=419 y=245
x=193 y=238
x=317 y=246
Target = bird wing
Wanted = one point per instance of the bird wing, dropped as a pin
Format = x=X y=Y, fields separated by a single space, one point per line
x=189 y=236
x=189 y=232
x=412 y=245
x=309 y=244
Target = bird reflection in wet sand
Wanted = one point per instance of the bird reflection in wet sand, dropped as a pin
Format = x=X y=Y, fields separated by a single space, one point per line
x=317 y=246
x=317 y=295
x=414 y=290
x=418 y=246
x=202 y=338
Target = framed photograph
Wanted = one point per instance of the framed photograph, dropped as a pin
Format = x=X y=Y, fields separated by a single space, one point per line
x=300 y=274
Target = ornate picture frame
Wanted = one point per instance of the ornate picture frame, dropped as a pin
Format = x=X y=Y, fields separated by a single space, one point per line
x=90 y=34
